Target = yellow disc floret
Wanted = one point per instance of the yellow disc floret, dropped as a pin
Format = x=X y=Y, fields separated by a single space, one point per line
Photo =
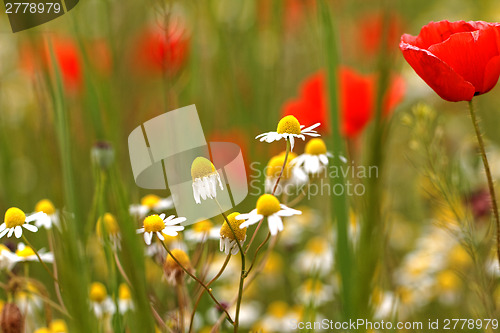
x=58 y=326
x=201 y=167
x=109 y=223
x=315 y=146
x=225 y=230
x=45 y=206
x=288 y=125
x=98 y=292
x=275 y=165
x=153 y=223
x=171 y=266
x=14 y=217
x=203 y=226
x=150 y=200
x=267 y=205
x=25 y=252
x=124 y=292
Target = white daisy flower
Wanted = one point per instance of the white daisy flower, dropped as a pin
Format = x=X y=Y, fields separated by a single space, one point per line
x=268 y=206
x=151 y=203
x=52 y=215
x=312 y=291
x=15 y=220
x=228 y=243
x=290 y=176
x=124 y=299
x=25 y=253
x=315 y=158
x=205 y=179
x=7 y=258
x=289 y=128
x=160 y=225
x=317 y=258
x=101 y=303
x=202 y=231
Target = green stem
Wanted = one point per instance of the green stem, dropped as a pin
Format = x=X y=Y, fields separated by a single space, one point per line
x=257 y=252
x=283 y=167
x=487 y=170
x=40 y=259
x=209 y=291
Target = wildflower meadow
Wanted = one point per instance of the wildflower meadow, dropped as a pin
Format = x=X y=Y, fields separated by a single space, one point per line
x=249 y=166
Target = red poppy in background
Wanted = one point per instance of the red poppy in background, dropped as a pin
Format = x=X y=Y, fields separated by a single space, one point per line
x=372 y=29
x=458 y=60
x=67 y=56
x=357 y=101
x=156 y=50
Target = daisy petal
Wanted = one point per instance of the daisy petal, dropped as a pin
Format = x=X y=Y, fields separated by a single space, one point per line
x=30 y=227
x=18 y=231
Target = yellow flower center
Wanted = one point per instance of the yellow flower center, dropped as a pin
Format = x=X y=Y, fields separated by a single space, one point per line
x=45 y=206
x=201 y=167
x=289 y=125
x=58 y=326
x=98 y=292
x=315 y=146
x=278 y=309
x=124 y=292
x=276 y=163
x=312 y=286
x=14 y=217
x=170 y=265
x=150 y=200
x=110 y=225
x=317 y=245
x=447 y=280
x=267 y=205
x=153 y=223
x=203 y=226
x=25 y=252
x=225 y=230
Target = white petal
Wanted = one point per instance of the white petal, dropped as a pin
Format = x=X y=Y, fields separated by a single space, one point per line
x=221 y=244
x=35 y=216
x=147 y=237
x=3 y=227
x=3 y=233
x=160 y=236
x=272 y=222
x=165 y=204
x=18 y=231
x=139 y=231
x=176 y=221
x=323 y=158
x=162 y=216
x=308 y=129
x=11 y=231
x=292 y=142
x=30 y=227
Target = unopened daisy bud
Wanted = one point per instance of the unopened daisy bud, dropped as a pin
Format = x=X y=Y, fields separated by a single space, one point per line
x=173 y=272
x=103 y=155
x=58 y=326
x=228 y=241
x=205 y=179
x=11 y=320
x=98 y=292
x=268 y=206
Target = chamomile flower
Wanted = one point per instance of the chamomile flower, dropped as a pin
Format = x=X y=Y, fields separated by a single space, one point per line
x=317 y=257
x=101 y=303
x=268 y=206
x=151 y=203
x=202 y=231
x=289 y=177
x=289 y=128
x=52 y=215
x=124 y=299
x=173 y=272
x=7 y=258
x=160 y=225
x=58 y=326
x=228 y=241
x=315 y=158
x=205 y=179
x=15 y=220
x=25 y=253
x=108 y=224
x=315 y=292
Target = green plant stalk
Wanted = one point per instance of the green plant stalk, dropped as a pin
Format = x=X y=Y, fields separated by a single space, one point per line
x=491 y=185
x=73 y=274
x=339 y=203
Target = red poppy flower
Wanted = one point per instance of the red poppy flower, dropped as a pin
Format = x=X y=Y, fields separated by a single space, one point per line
x=371 y=32
x=157 y=50
x=458 y=60
x=66 y=55
x=357 y=101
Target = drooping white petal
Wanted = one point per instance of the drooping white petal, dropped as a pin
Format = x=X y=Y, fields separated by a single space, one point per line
x=160 y=236
x=324 y=159
x=3 y=227
x=272 y=222
x=147 y=237
x=18 y=231
x=11 y=231
x=4 y=232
